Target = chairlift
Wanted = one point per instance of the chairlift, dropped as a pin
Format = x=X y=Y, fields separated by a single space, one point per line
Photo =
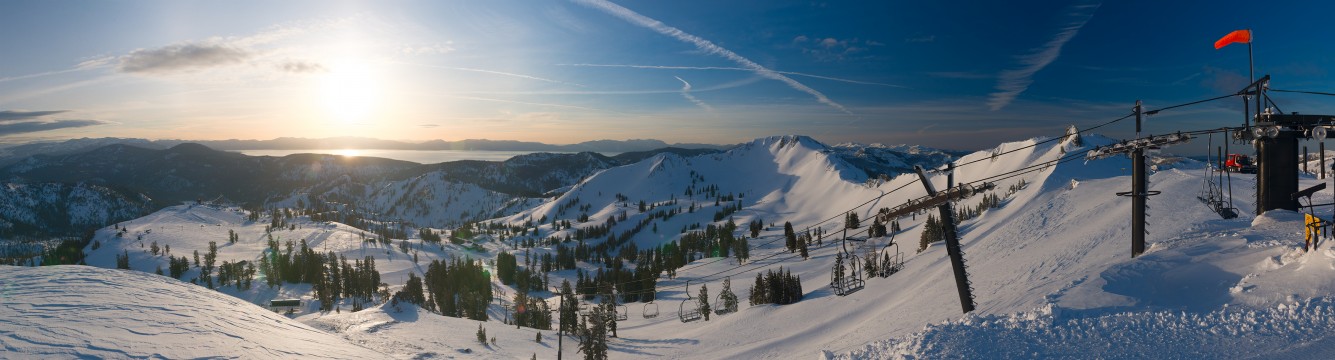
x=623 y=312
x=721 y=307
x=1212 y=188
x=688 y=315
x=852 y=281
x=651 y=308
x=890 y=264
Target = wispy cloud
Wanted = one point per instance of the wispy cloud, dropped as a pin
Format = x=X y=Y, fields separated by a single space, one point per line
x=13 y=115
x=736 y=69
x=182 y=57
x=686 y=93
x=707 y=47
x=14 y=122
x=35 y=126
x=1012 y=82
x=302 y=67
x=831 y=49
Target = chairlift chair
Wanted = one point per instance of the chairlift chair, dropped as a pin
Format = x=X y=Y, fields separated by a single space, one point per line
x=721 y=307
x=622 y=313
x=688 y=315
x=650 y=310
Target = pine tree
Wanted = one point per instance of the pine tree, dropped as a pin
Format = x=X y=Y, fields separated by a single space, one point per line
x=594 y=344
x=481 y=334
x=839 y=268
x=123 y=260
x=704 y=301
x=931 y=232
x=802 y=246
x=729 y=299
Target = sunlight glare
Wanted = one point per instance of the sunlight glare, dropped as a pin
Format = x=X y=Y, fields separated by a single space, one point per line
x=350 y=93
x=348 y=152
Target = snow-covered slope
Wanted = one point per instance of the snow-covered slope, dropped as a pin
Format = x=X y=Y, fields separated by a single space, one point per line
x=87 y=312
x=1050 y=266
x=54 y=207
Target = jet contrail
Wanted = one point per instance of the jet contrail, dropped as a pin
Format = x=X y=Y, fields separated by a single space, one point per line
x=494 y=72
x=686 y=92
x=851 y=81
x=707 y=47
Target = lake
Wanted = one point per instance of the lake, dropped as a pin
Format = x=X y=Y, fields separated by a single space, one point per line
x=417 y=156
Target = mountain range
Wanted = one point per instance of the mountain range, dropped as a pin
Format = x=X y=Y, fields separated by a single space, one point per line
x=138 y=176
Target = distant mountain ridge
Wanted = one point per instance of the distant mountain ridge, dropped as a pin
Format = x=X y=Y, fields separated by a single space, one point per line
x=14 y=153
x=435 y=195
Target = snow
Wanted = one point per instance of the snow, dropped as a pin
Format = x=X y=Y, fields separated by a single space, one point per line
x=408 y=332
x=1051 y=268
x=87 y=312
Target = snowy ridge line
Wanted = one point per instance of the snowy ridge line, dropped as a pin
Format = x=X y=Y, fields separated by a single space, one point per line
x=1151 y=112
x=1032 y=168
x=1073 y=156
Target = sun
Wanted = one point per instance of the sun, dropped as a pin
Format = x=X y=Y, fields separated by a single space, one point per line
x=348 y=152
x=350 y=93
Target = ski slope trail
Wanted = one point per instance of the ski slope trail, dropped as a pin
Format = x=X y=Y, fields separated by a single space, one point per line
x=88 y=312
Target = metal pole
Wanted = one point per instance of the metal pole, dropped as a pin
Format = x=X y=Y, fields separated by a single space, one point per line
x=561 y=322
x=1322 y=148
x=1250 y=65
x=1138 y=195
x=1305 y=159
x=1138 y=184
x=951 y=234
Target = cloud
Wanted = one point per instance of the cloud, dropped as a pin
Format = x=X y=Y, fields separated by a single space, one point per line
x=735 y=69
x=12 y=115
x=1012 y=82
x=428 y=126
x=831 y=49
x=302 y=67
x=707 y=47
x=686 y=93
x=182 y=57
x=35 y=126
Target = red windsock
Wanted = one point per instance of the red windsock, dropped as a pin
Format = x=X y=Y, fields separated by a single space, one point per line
x=1239 y=36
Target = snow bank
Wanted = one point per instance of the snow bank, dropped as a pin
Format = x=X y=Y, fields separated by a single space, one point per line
x=1230 y=332
x=88 y=312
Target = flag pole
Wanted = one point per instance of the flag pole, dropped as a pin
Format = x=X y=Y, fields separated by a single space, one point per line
x=1250 y=65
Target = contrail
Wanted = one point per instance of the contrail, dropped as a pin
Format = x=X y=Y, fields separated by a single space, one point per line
x=707 y=47
x=1012 y=82
x=41 y=74
x=532 y=103
x=686 y=92
x=851 y=81
x=493 y=72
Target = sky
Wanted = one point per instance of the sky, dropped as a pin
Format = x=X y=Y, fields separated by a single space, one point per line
x=950 y=74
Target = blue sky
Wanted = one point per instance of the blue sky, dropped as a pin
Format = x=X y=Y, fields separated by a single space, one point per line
x=954 y=74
